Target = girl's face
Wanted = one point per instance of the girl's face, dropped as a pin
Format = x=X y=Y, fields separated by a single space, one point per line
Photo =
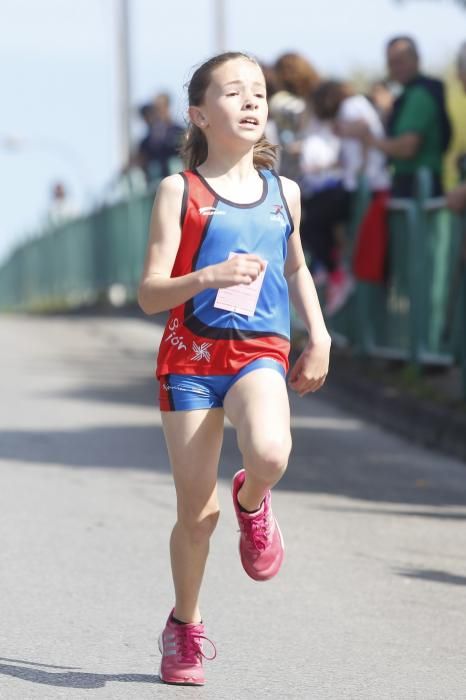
x=235 y=103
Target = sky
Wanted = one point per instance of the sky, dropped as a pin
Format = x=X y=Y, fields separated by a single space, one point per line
x=58 y=74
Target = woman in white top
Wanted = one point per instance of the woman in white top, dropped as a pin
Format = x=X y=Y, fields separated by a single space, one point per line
x=337 y=103
x=325 y=209
x=346 y=111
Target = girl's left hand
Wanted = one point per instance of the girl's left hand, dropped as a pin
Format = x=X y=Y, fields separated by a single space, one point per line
x=311 y=368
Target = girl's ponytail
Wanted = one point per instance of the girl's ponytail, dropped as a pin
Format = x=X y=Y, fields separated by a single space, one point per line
x=265 y=154
x=194 y=149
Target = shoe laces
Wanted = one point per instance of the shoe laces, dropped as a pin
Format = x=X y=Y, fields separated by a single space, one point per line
x=257 y=530
x=189 y=645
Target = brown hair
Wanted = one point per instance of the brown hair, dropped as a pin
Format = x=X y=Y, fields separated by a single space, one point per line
x=194 y=149
x=327 y=98
x=296 y=75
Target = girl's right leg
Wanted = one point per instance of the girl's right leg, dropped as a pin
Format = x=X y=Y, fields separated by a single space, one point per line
x=194 y=440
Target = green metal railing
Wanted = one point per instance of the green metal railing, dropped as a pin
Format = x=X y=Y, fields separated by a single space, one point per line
x=412 y=317
x=77 y=263
x=419 y=314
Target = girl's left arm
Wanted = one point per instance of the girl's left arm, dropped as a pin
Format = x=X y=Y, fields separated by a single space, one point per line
x=311 y=368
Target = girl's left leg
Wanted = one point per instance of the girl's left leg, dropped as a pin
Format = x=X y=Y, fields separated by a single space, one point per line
x=258 y=407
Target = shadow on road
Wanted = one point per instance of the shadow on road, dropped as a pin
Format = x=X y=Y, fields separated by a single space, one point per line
x=433 y=575
x=349 y=463
x=73 y=679
x=434 y=514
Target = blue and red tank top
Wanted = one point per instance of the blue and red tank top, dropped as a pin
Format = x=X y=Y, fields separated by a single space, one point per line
x=199 y=338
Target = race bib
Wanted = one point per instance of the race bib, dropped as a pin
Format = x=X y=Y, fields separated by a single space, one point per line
x=240 y=298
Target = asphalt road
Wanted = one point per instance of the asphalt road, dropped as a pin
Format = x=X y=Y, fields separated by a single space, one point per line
x=370 y=603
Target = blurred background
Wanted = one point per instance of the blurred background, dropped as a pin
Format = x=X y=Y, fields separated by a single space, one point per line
x=94 y=109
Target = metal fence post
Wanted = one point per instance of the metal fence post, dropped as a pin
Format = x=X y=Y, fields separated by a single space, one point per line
x=463 y=339
x=417 y=253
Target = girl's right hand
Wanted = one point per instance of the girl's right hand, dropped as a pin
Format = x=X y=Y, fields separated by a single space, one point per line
x=243 y=268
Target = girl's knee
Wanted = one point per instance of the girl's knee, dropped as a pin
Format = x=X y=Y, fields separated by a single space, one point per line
x=268 y=458
x=198 y=526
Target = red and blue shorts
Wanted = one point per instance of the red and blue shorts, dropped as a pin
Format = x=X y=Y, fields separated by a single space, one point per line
x=188 y=392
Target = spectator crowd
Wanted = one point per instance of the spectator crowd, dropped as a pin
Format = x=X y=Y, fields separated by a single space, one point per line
x=332 y=139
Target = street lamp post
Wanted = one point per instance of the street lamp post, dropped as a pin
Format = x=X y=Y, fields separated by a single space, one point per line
x=220 y=34
x=124 y=80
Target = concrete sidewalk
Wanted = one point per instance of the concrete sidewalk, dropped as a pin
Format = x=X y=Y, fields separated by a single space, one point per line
x=370 y=601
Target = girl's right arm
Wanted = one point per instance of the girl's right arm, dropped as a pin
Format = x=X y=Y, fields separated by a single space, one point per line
x=160 y=292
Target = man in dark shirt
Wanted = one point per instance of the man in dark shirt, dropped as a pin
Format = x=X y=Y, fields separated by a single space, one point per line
x=418 y=128
x=162 y=142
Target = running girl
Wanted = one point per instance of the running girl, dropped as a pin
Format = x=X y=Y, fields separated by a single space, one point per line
x=223 y=255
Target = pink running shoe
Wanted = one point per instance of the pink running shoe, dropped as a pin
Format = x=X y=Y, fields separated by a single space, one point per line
x=261 y=543
x=181 y=649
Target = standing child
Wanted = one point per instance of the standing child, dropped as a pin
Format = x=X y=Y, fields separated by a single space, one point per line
x=224 y=251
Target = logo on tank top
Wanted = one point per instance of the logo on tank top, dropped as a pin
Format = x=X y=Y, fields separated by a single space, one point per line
x=207 y=211
x=277 y=214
